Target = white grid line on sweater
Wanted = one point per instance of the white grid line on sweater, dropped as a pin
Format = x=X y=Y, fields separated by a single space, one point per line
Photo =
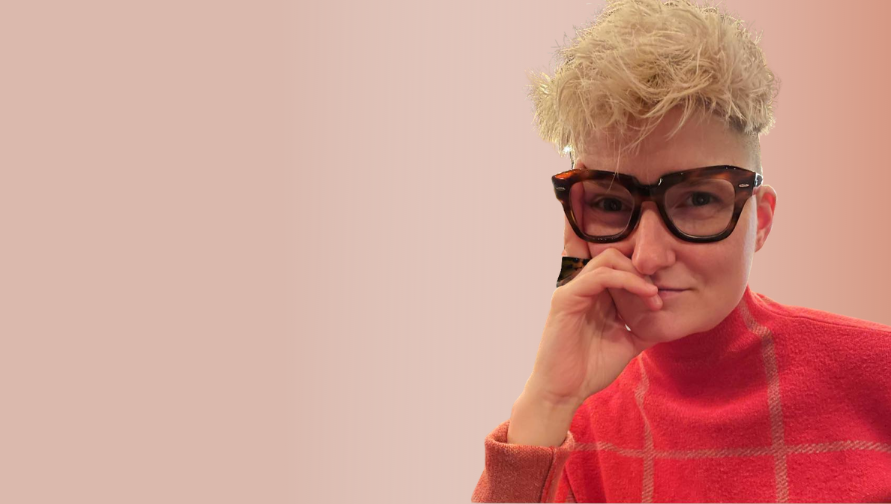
x=756 y=451
x=648 y=453
x=778 y=449
x=774 y=401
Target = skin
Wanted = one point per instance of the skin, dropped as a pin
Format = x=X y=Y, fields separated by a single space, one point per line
x=714 y=275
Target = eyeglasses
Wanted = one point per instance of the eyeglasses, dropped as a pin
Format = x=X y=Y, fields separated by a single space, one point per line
x=700 y=205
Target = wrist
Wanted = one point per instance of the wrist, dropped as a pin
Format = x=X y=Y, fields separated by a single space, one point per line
x=538 y=423
x=533 y=395
x=546 y=407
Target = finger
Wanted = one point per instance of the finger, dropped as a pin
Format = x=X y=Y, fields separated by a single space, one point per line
x=612 y=257
x=654 y=303
x=615 y=259
x=573 y=246
x=578 y=294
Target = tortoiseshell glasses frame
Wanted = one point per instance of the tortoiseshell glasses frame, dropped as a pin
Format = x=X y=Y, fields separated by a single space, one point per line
x=744 y=183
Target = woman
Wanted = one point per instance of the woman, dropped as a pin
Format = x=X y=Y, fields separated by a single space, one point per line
x=660 y=375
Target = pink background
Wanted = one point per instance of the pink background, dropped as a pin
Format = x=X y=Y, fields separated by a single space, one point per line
x=281 y=251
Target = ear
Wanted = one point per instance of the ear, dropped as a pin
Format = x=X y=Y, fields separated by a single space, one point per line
x=765 y=205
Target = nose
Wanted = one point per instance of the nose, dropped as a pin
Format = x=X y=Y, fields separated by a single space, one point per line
x=652 y=241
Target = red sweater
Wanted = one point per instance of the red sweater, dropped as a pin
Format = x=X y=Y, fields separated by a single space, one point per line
x=775 y=404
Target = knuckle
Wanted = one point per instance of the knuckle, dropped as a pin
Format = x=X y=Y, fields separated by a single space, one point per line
x=603 y=273
x=613 y=252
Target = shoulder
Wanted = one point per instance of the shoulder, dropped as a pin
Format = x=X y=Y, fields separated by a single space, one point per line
x=789 y=316
x=826 y=345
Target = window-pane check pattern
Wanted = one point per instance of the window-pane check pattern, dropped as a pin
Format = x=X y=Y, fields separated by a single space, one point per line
x=776 y=404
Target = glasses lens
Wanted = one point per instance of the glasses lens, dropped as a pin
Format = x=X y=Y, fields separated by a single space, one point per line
x=701 y=207
x=601 y=207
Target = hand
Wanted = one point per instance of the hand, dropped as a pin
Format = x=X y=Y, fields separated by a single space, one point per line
x=586 y=345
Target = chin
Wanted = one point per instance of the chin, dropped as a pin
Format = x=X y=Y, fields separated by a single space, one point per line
x=657 y=326
x=660 y=329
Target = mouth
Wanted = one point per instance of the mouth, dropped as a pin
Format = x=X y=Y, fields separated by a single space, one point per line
x=670 y=293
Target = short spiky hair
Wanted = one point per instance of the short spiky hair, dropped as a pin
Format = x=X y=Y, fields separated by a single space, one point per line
x=642 y=58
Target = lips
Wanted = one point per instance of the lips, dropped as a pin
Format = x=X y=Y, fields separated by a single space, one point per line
x=667 y=294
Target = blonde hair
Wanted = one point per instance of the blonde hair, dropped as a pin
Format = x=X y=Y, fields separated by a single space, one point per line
x=642 y=58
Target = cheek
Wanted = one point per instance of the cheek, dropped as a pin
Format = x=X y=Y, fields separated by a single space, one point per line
x=742 y=241
x=749 y=231
x=725 y=264
x=714 y=270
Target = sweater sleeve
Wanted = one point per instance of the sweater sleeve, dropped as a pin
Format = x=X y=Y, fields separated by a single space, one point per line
x=520 y=473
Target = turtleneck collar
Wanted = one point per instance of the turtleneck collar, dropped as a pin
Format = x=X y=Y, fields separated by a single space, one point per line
x=732 y=339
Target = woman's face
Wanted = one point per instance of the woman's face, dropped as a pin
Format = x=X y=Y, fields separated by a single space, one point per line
x=714 y=275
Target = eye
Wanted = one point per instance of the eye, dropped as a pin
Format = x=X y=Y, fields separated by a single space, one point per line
x=609 y=205
x=702 y=199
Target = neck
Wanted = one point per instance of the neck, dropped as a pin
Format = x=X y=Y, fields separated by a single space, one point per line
x=730 y=340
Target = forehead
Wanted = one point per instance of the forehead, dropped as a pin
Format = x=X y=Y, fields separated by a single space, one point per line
x=702 y=141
